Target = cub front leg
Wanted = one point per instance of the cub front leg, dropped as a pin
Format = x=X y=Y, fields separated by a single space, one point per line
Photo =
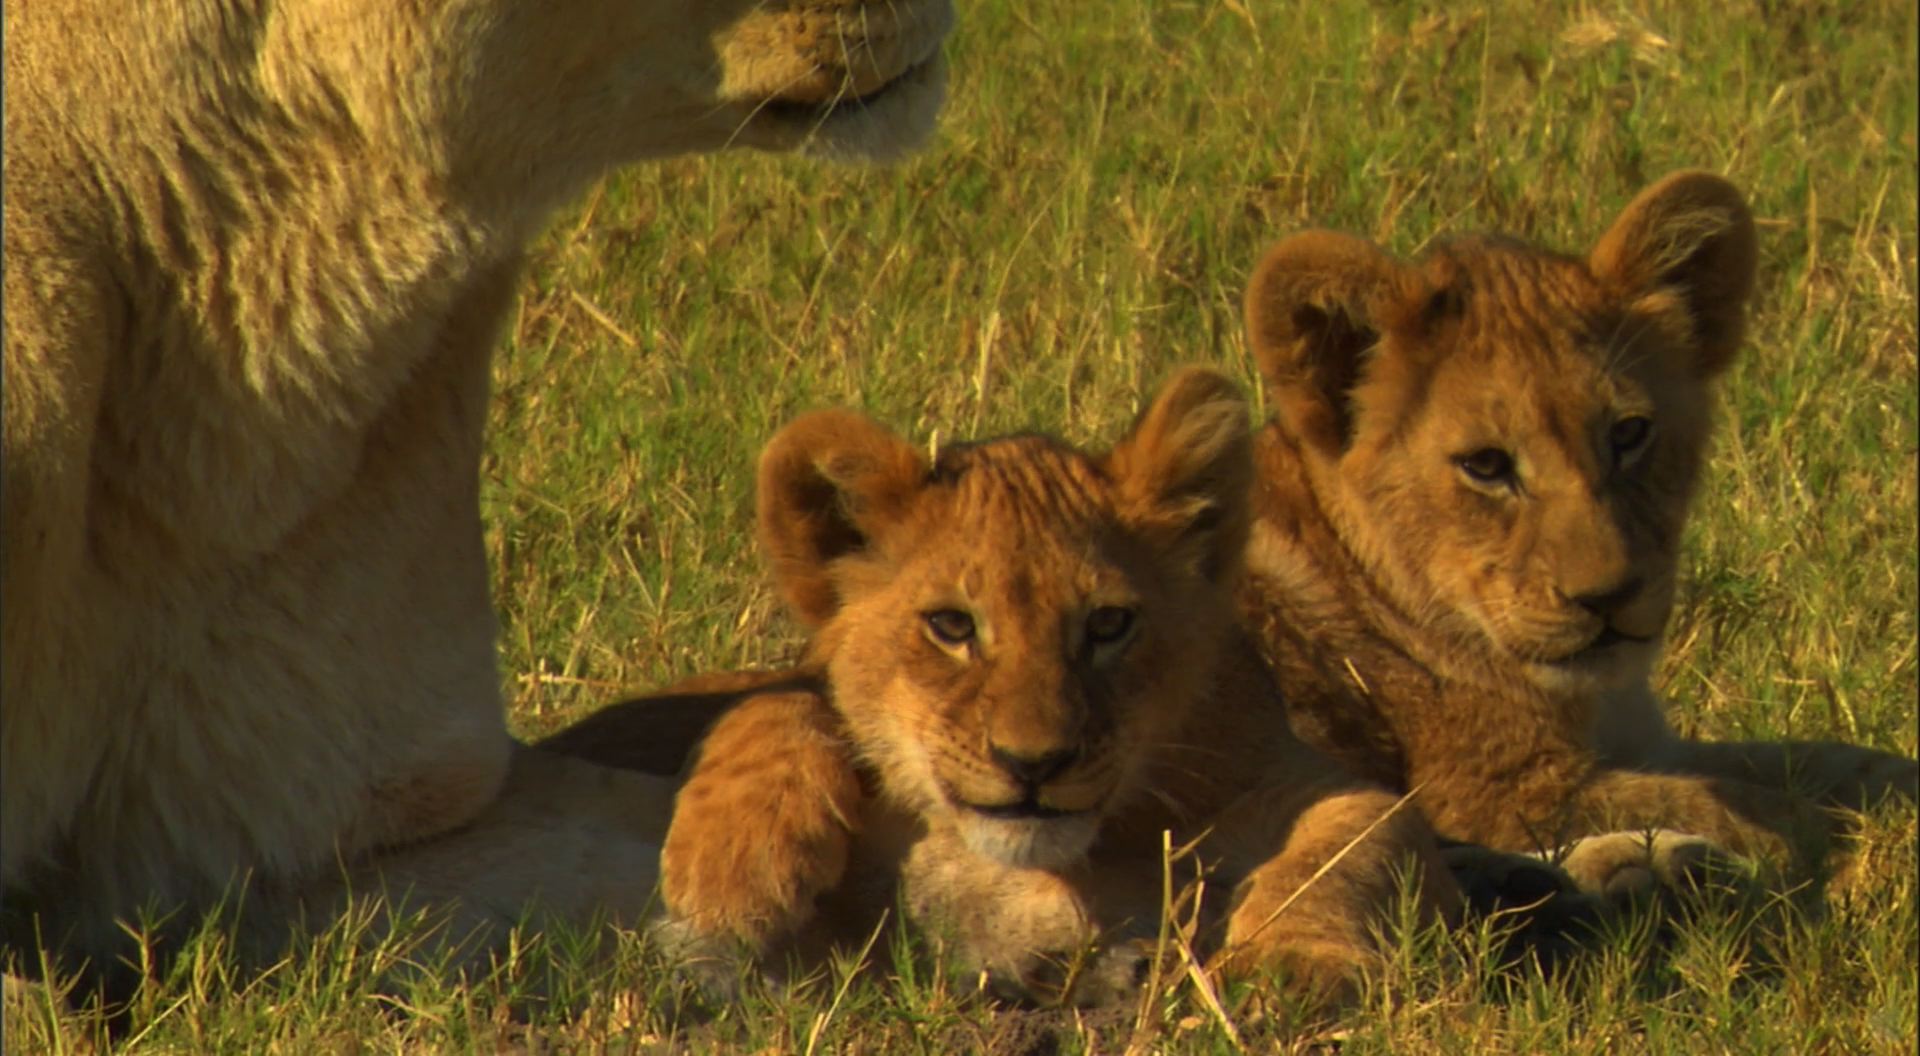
x=1323 y=865
x=762 y=826
x=1742 y=818
x=1548 y=800
x=1637 y=736
x=1843 y=775
x=1036 y=934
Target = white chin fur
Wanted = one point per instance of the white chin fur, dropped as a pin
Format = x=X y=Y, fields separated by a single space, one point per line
x=1624 y=665
x=1050 y=843
x=887 y=129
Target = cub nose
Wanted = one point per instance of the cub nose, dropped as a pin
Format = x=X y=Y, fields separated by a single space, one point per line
x=1604 y=601
x=1033 y=769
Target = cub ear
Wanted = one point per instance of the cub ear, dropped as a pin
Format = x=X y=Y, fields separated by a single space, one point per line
x=1312 y=311
x=1691 y=235
x=828 y=482
x=1185 y=472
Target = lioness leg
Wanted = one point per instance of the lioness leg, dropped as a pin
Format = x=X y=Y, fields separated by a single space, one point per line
x=565 y=841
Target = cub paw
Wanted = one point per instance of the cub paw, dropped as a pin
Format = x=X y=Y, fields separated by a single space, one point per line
x=755 y=882
x=1633 y=864
x=1493 y=881
x=763 y=826
x=1099 y=975
x=715 y=966
x=1317 y=980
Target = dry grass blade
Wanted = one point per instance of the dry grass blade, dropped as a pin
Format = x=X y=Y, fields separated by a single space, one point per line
x=849 y=972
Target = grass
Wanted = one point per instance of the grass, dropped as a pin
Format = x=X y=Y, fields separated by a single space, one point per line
x=1106 y=176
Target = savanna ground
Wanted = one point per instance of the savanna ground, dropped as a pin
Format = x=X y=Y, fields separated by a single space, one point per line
x=1106 y=175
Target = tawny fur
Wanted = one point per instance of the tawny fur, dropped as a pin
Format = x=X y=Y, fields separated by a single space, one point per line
x=257 y=260
x=1170 y=723
x=1450 y=634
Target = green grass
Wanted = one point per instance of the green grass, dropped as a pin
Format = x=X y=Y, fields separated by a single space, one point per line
x=1106 y=176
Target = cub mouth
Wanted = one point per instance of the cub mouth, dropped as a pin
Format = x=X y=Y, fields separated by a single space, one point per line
x=1028 y=809
x=1027 y=834
x=1602 y=643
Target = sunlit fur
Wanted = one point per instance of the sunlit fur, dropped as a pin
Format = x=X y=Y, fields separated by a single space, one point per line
x=1166 y=722
x=1030 y=682
x=1490 y=641
x=1530 y=354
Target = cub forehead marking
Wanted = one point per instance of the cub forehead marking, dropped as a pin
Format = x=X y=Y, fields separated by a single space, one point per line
x=1531 y=308
x=1032 y=492
x=1025 y=516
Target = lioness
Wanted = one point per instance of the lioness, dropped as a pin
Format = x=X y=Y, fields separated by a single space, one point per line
x=1469 y=516
x=257 y=257
x=1034 y=656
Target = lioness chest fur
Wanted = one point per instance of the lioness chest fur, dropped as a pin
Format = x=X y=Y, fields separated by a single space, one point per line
x=257 y=258
x=1033 y=653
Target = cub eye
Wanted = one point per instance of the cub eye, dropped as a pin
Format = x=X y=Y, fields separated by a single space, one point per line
x=1108 y=624
x=1489 y=465
x=1629 y=435
x=950 y=626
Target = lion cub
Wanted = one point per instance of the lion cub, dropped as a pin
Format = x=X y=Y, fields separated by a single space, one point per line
x=1034 y=656
x=1464 y=544
x=1469 y=516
